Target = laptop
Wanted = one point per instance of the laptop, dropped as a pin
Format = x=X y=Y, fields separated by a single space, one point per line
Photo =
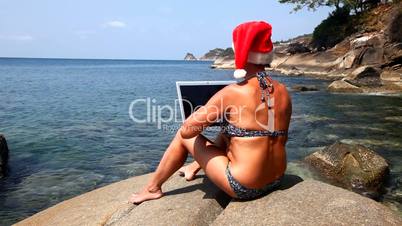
x=193 y=94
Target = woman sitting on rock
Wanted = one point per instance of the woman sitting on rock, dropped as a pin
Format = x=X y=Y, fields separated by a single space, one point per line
x=248 y=158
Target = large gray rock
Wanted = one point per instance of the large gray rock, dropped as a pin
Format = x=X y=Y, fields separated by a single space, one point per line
x=372 y=56
x=3 y=155
x=92 y=208
x=197 y=202
x=365 y=76
x=342 y=86
x=348 y=60
x=309 y=203
x=353 y=167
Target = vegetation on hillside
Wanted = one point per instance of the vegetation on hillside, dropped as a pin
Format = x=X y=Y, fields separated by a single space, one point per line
x=348 y=17
x=331 y=31
x=355 y=5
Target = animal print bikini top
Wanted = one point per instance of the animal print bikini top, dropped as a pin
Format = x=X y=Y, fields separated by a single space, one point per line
x=267 y=89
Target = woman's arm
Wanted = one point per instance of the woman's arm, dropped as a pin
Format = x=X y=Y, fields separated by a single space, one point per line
x=206 y=115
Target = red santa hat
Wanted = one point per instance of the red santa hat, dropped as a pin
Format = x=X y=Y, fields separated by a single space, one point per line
x=252 y=43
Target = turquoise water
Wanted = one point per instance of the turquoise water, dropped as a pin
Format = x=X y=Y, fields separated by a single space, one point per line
x=68 y=127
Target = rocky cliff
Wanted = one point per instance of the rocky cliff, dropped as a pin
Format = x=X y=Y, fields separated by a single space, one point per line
x=199 y=202
x=190 y=57
x=217 y=53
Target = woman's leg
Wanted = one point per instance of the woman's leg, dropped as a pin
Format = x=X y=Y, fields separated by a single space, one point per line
x=211 y=158
x=189 y=171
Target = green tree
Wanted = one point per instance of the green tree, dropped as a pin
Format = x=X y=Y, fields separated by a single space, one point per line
x=312 y=4
x=355 y=5
x=334 y=29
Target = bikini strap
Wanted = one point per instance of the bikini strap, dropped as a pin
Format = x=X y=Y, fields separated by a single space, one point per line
x=266 y=85
x=267 y=88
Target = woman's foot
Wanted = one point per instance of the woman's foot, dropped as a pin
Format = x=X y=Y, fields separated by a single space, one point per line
x=145 y=195
x=189 y=171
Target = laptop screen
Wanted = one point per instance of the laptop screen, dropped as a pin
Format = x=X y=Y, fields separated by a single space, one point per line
x=192 y=95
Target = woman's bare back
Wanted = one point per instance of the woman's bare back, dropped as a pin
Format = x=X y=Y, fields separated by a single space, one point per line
x=257 y=161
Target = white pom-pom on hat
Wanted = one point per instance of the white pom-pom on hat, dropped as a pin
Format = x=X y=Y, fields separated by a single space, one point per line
x=239 y=73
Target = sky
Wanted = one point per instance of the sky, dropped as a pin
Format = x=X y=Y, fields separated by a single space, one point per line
x=132 y=29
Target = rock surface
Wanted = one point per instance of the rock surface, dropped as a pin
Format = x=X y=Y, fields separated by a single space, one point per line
x=190 y=57
x=343 y=86
x=3 y=155
x=197 y=202
x=185 y=203
x=200 y=203
x=353 y=167
x=308 y=203
x=365 y=76
x=92 y=208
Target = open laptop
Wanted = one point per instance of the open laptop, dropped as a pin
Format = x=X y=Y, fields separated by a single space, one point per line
x=193 y=94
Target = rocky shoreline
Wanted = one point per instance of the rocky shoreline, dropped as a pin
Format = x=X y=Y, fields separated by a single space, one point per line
x=366 y=62
x=199 y=202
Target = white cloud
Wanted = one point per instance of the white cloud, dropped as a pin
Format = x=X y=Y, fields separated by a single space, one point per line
x=115 y=24
x=16 y=37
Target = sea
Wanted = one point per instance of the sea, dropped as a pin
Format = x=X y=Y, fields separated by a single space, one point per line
x=74 y=125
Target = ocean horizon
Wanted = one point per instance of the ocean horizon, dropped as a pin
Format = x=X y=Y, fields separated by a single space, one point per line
x=111 y=59
x=69 y=131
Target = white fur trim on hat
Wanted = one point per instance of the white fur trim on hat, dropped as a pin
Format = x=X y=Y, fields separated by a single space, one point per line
x=260 y=58
x=240 y=73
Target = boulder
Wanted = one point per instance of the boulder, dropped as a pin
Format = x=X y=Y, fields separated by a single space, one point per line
x=304 y=88
x=372 y=56
x=197 y=202
x=3 y=155
x=363 y=72
x=365 y=76
x=298 y=47
x=308 y=203
x=342 y=86
x=348 y=60
x=353 y=167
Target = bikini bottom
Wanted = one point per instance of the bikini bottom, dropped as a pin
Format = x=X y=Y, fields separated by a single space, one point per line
x=244 y=193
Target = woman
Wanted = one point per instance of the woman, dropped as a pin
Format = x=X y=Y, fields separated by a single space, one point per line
x=248 y=158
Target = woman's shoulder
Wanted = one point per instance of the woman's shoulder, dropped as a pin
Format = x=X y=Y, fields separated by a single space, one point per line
x=280 y=87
